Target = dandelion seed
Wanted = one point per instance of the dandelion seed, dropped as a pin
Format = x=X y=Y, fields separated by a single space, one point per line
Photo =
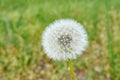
x=64 y=39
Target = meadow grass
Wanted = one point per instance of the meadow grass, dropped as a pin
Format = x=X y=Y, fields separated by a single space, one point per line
x=22 y=23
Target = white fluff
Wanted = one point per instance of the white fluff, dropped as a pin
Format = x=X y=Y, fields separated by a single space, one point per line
x=64 y=39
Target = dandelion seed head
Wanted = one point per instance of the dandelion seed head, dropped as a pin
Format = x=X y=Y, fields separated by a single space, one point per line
x=64 y=39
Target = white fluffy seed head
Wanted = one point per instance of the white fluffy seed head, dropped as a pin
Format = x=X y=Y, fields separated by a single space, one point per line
x=64 y=39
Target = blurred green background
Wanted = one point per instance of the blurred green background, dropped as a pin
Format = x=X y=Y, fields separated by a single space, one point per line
x=23 y=21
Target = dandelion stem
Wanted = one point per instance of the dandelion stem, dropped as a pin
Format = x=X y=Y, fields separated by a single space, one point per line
x=70 y=65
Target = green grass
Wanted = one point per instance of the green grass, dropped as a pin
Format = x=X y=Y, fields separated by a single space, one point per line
x=22 y=23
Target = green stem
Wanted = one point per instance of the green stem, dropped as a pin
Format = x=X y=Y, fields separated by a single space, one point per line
x=70 y=65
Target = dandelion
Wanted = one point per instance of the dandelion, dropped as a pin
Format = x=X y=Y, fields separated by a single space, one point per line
x=65 y=40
